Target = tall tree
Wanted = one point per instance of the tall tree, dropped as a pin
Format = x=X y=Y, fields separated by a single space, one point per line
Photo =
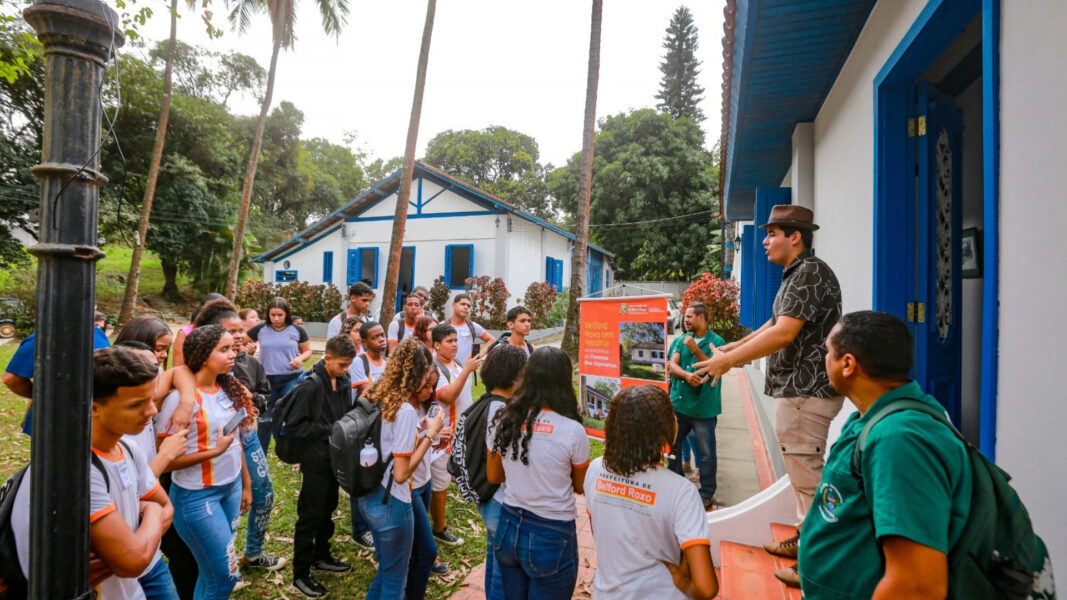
x=585 y=180
x=334 y=14
x=129 y=297
x=400 y=217
x=498 y=160
x=679 y=94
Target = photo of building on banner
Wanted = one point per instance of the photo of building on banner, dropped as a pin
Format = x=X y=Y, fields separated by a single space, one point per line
x=622 y=343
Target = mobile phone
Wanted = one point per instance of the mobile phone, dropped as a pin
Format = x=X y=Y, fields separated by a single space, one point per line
x=234 y=421
x=433 y=410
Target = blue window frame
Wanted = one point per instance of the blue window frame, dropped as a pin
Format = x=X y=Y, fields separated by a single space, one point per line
x=554 y=272
x=459 y=265
x=285 y=276
x=363 y=266
x=327 y=266
x=768 y=274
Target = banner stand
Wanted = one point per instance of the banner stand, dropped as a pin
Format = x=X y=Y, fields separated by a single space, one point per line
x=622 y=342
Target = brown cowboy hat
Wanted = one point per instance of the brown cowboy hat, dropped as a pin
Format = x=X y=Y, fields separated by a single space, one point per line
x=790 y=215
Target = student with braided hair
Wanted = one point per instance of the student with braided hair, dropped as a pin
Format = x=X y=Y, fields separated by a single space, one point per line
x=541 y=450
x=250 y=373
x=388 y=510
x=663 y=551
x=211 y=484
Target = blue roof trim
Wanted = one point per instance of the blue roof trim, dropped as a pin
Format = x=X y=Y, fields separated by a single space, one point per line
x=366 y=200
x=786 y=57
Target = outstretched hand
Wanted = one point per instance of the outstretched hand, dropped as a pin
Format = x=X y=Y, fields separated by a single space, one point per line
x=718 y=365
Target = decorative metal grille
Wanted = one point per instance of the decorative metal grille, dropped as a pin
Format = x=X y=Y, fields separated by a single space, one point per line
x=943 y=157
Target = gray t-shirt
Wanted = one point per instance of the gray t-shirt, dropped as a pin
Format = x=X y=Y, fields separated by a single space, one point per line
x=663 y=516
x=278 y=348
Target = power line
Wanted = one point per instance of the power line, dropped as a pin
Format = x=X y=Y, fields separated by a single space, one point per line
x=651 y=221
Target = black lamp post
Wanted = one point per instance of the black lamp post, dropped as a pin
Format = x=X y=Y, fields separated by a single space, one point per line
x=79 y=37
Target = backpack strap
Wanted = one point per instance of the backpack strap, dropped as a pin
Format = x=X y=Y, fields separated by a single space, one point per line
x=444 y=369
x=470 y=325
x=99 y=465
x=892 y=408
x=366 y=366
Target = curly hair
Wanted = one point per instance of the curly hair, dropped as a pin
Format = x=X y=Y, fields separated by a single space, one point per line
x=350 y=324
x=197 y=348
x=546 y=383
x=640 y=424
x=403 y=376
x=214 y=311
x=502 y=366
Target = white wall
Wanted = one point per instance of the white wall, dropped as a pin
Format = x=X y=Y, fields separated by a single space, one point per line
x=844 y=154
x=1031 y=412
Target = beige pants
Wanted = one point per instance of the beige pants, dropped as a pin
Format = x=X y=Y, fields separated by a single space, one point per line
x=801 y=425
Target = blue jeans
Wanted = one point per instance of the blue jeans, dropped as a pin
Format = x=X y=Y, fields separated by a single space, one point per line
x=494 y=586
x=157 y=584
x=393 y=526
x=359 y=524
x=279 y=386
x=206 y=520
x=690 y=449
x=423 y=547
x=538 y=557
x=707 y=459
x=262 y=494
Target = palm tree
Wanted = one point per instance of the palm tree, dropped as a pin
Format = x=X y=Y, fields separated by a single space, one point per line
x=400 y=217
x=585 y=185
x=129 y=297
x=282 y=16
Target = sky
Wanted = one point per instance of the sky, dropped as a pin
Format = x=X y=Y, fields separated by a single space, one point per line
x=520 y=65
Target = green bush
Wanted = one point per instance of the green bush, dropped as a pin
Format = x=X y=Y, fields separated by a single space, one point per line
x=557 y=315
x=313 y=302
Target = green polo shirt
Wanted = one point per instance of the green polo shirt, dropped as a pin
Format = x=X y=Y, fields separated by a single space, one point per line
x=674 y=381
x=705 y=400
x=917 y=479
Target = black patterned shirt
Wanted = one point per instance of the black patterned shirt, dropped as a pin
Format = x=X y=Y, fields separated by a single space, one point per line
x=810 y=292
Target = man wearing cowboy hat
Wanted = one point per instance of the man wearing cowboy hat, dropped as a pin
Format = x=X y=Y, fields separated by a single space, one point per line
x=806 y=308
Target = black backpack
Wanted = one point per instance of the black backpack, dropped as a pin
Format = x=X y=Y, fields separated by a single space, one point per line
x=998 y=548
x=504 y=340
x=13 y=582
x=469 y=453
x=287 y=448
x=359 y=426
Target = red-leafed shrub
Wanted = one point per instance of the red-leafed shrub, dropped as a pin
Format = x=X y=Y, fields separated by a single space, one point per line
x=539 y=299
x=490 y=299
x=312 y=302
x=720 y=296
x=439 y=293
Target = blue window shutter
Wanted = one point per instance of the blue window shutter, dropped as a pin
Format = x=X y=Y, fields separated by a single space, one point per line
x=748 y=274
x=327 y=267
x=352 y=275
x=550 y=266
x=448 y=266
x=768 y=274
x=375 y=286
x=559 y=274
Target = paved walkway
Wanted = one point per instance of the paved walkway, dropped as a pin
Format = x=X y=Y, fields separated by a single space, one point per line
x=738 y=480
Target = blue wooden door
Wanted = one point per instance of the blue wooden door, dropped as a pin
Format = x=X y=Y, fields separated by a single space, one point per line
x=407 y=275
x=938 y=284
x=596 y=268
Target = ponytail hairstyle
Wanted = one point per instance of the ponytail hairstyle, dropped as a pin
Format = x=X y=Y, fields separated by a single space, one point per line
x=641 y=423
x=546 y=383
x=207 y=298
x=198 y=346
x=404 y=374
x=214 y=311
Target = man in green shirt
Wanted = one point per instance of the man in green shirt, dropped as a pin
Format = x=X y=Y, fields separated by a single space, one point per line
x=890 y=538
x=697 y=399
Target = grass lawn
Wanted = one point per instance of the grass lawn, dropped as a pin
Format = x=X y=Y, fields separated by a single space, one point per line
x=463 y=518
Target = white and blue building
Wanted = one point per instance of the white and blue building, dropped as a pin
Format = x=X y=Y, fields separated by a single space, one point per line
x=928 y=136
x=453 y=229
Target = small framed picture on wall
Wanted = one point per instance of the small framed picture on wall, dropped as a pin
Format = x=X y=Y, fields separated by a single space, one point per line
x=971 y=253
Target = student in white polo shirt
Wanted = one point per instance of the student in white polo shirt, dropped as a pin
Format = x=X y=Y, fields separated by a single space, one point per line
x=649 y=523
x=401 y=329
x=467 y=331
x=541 y=451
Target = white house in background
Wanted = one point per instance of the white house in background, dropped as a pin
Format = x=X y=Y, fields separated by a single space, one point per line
x=928 y=137
x=453 y=229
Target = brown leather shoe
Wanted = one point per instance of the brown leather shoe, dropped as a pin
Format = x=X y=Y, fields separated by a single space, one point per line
x=786 y=548
x=789 y=576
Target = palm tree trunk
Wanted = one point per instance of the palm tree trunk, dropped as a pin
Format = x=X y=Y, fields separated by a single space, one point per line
x=129 y=297
x=585 y=185
x=400 y=217
x=250 y=174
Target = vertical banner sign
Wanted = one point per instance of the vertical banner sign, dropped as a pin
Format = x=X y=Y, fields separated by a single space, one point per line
x=622 y=343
